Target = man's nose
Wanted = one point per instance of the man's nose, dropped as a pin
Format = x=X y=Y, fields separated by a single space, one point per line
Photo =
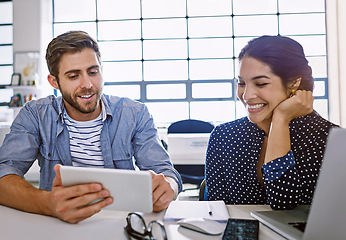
x=86 y=81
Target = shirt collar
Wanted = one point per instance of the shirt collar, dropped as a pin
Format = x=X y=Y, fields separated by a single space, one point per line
x=105 y=110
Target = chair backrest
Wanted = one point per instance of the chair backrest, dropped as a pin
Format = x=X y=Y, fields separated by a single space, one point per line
x=190 y=173
x=190 y=126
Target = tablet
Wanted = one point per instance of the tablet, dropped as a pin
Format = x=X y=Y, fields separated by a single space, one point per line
x=131 y=190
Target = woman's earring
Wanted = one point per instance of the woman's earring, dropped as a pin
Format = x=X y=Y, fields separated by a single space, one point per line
x=292 y=92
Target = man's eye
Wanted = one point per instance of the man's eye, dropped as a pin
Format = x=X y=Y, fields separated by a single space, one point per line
x=93 y=72
x=241 y=84
x=72 y=76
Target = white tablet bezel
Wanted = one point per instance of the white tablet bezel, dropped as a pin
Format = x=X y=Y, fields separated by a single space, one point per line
x=131 y=190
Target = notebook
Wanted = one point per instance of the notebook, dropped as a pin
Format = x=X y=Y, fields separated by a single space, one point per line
x=326 y=218
x=178 y=210
x=130 y=189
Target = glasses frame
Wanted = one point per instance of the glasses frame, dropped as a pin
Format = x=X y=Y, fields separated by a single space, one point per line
x=147 y=235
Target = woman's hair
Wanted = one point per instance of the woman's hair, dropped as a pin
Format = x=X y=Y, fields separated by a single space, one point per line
x=284 y=56
x=69 y=42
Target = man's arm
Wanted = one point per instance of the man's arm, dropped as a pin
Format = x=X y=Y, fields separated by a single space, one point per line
x=68 y=204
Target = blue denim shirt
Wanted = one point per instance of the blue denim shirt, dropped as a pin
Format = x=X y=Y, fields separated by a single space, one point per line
x=39 y=132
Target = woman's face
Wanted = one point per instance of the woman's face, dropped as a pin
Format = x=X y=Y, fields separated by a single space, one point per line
x=260 y=90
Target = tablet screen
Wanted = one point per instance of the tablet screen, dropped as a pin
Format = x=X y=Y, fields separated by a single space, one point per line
x=131 y=190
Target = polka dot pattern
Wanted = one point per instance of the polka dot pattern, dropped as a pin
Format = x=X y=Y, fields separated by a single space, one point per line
x=290 y=180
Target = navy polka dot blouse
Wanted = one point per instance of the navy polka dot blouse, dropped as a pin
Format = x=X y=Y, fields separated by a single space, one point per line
x=290 y=180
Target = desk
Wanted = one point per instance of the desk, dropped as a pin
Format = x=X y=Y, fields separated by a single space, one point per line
x=105 y=225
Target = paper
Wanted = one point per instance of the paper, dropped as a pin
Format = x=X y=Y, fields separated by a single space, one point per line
x=178 y=210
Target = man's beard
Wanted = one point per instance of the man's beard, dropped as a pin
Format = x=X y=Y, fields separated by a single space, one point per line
x=89 y=107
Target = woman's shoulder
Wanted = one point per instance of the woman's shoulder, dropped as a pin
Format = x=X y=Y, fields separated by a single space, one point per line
x=238 y=127
x=312 y=120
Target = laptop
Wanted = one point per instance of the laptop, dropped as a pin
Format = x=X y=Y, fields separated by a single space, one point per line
x=326 y=217
x=130 y=189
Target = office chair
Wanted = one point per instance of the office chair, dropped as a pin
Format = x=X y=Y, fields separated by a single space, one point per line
x=193 y=174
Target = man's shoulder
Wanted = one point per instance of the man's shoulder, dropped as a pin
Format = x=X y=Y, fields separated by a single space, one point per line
x=115 y=102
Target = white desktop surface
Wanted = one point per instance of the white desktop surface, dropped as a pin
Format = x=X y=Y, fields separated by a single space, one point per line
x=105 y=225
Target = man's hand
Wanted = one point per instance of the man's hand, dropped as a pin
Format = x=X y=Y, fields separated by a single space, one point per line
x=70 y=204
x=163 y=193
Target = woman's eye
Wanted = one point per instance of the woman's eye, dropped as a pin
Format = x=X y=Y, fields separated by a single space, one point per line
x=240 y=84
x=261 y=84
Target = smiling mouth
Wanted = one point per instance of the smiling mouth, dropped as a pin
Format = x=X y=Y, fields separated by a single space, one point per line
x=86 y=96
x=255 y=106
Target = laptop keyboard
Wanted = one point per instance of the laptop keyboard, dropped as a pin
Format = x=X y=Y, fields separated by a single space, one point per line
x=299 y=225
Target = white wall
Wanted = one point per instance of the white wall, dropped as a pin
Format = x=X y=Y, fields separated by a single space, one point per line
x=336 y=50
x=32 y=24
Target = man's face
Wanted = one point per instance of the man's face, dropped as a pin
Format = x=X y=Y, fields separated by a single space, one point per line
x=81 y=83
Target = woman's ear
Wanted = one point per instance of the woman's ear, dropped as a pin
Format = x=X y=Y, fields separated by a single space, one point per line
x=295 y=84
x=53 y=81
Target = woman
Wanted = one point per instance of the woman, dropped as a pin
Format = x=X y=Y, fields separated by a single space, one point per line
x=273 y=155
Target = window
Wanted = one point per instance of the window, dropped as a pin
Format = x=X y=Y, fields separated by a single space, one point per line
x=180 y=57
x=6 y=56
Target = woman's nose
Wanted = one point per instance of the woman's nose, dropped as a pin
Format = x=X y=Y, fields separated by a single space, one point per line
x=249 y=93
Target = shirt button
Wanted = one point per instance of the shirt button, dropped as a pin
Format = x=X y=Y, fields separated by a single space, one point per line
x=128 y=155
x=49 y=155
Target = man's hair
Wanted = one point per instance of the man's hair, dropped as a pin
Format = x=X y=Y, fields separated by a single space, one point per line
x=69 y=42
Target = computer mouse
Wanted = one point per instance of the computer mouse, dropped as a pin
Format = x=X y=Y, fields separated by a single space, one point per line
x=203 y=225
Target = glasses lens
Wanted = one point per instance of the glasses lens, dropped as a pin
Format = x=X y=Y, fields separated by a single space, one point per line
x=137 y=223
x=157 y=231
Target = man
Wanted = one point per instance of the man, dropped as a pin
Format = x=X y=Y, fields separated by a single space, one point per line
x=81 y=128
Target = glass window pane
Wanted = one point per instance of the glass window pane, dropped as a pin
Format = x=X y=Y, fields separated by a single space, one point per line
x=217 y=112
x=290 y=6
x=240 y=110
x=319 y=66
x=130 y=91
x=254 y=7
x=122 y=71
x=6 y=12
x=112 y=10
x=168 y=112
x=210 y=27
x=164 y=28
x=61 y=28
x=292 y=24
x=165 y=70
x=211 y=48
x=319 y=89
x=321 y=106
x=121 y=50
x=120 y=30
x=208 y=7
x=313 y=45
x=211 y=90
x=211 y=69
x=255 y=25
x=6 y=54
x=163 y=8
x=77 y=10
x=239 y=43
x=166 y=91
x=165 y=49
x=5 y=73
x=6 y=34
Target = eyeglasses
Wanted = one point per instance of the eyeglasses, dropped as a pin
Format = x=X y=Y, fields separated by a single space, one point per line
x=137 y=229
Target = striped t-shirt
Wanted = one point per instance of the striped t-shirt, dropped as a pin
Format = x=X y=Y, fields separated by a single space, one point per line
x=85 y=142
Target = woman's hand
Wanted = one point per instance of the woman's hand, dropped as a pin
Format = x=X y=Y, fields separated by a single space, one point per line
x=299 y=104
